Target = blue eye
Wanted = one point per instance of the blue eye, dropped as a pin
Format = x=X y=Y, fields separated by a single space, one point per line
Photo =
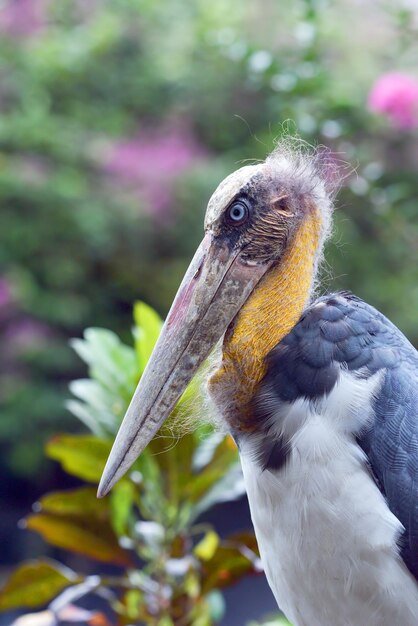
x=238 y=212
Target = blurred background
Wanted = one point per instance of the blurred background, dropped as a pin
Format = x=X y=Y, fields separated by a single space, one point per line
x=118 y=118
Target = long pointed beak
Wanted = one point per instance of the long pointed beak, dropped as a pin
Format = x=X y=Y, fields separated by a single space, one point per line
x=214 y=288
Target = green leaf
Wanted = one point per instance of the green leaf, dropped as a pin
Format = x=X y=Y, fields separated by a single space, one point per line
x=87 y=416
x=111 y=363
x=121 y=500
x=146 y=471
x=83 y=456
x=229 y=487
x=76 y=520
x=206 y=450
x=146 y=332
x=133 y=601
x=114 y=371
x=75 y=502
x=224 y=455
x=36 y=583
x=191 y=400
x=87 y=535
x=174 y=458
x=165 y=621
x=91 y=392
x=100 y=409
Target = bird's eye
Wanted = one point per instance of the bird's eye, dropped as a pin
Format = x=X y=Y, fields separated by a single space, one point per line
x=237 y=212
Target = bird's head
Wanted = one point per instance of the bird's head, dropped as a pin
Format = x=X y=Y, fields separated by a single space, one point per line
x=248 y=281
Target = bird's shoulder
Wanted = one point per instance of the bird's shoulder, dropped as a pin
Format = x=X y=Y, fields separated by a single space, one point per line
x=337 y=331
x=340 y=335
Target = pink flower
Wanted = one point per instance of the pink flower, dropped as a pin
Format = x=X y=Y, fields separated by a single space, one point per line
x=396 y=96
x=20 y=18
x=151 y=161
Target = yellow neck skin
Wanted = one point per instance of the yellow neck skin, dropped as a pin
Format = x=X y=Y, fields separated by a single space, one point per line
x=269 y=314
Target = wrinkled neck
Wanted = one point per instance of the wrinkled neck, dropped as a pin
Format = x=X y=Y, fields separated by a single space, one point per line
x=269 y=314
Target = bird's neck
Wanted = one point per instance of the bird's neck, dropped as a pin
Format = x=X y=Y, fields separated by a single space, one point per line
x=269 y=314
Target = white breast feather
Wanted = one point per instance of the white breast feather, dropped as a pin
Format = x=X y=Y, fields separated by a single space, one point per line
x=326 y=535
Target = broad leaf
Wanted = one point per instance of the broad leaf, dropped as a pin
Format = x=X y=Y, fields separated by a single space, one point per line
x=146 y=471
x=233 y=559
x=92 y=393
x=99 y=408
x=84 y=520
x=205 y=451
x=165 y=621
x=83 y=456
x=133 y=604
x=84 y=535
x=88 y=416
x=174 y=457
x=225 y=454
x=75 y=502
x=146 y=332
x=229 y=487
x=110 y=362
x=207 y=547
x=191 y=400
x=35 y=583
x=121 y=501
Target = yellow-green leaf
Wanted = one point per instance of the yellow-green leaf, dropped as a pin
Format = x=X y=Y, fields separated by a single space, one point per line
x=206 y=548
x=84 y=535
x=82 y=501
x=147 y=329
x=83 y=456
x=121 y=501
x=134 y=602
x=165 y=621
x=35 y=583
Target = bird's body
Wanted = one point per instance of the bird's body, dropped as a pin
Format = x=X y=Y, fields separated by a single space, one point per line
x=327 y=540
x=320 y=396
x=330 y=540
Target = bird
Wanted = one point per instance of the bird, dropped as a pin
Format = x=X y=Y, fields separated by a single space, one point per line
x=320 y=394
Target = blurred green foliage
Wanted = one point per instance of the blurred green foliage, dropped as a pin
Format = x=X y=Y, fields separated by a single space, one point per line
x=118 y=119
x=169 y=566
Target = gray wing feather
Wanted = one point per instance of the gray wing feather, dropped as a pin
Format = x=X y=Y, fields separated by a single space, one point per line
x=341 y=331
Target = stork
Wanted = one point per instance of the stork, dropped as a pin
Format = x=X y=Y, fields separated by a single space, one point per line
x=320 y=395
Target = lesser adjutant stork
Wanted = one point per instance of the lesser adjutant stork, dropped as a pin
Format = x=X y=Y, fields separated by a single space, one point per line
x=320 y=395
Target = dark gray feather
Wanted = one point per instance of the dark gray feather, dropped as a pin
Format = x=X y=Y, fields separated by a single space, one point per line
x=340 y=331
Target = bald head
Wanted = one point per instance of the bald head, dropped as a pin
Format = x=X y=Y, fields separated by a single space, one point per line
x=258 y=208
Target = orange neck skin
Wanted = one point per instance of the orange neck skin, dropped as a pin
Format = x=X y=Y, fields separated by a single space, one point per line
x=269 y=314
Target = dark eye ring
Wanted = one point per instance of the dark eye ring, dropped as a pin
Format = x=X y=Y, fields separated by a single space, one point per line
x=238 y=212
